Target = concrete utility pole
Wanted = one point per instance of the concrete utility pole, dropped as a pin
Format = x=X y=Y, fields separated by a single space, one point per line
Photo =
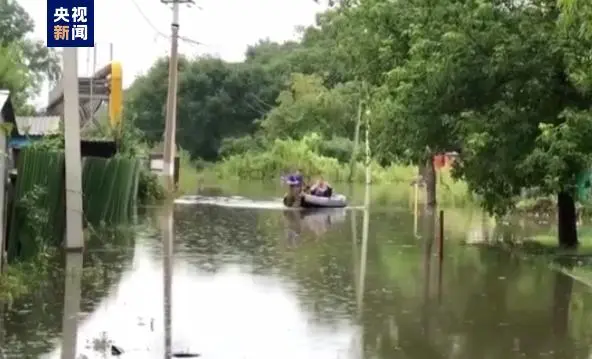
x=74 y=238
x=170 y=143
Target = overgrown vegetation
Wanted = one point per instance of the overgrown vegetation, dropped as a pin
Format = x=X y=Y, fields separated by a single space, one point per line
x=25 y=64
x=508 y=89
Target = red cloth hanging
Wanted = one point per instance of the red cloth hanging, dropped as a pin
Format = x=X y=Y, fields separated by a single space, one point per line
x=439 y=161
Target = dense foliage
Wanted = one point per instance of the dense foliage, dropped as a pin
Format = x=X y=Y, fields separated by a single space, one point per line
x=506 y=83
x=24 y=63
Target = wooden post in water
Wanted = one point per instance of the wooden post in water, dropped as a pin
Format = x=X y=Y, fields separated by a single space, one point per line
x=441 y=236
x=366 y=220
x=354 y=155
x=440 y=253
x=415 y=207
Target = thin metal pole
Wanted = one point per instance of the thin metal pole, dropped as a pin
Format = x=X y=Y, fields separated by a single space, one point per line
x=74 y=237
x=441 y=236
x=171 y=109
x=441 y=255
x=94 y=69
x=88 y=61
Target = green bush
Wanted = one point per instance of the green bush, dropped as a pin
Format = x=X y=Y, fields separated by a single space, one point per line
x=311 y=156
x=236 y=145
x=149 y=187
x=340 y=148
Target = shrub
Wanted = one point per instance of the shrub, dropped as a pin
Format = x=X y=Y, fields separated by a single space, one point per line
x=149 y=187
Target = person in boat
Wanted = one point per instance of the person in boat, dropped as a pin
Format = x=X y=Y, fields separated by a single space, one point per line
x=295 y=182
x=321 y=189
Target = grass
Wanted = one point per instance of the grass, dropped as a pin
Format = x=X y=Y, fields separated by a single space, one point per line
x=26 y=277
x=22 y=278
x=189 y=176
x=391 y=184
x=576 y=263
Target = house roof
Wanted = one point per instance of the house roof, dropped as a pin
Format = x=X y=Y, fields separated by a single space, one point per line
x=38 y=125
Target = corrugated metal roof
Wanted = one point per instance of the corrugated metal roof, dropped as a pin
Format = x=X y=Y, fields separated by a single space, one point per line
x=38 y=125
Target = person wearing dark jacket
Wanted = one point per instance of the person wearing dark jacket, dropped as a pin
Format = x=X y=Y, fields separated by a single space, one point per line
x=321 y=189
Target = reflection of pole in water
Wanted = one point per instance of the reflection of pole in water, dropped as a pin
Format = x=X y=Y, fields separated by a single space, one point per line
x=167 y=238
x=73 y=278
x=2 y=334
x=427 y=259
x=363 y=254
x=358 y=348
x=354 y=235
x=562 y=292
x=428 y=236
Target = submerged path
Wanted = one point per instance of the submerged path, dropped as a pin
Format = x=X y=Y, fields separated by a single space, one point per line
x=267 y=284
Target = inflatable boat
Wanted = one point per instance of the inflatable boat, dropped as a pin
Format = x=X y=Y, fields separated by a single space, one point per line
x=311 y=201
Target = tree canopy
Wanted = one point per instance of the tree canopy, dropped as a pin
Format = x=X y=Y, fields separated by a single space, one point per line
x=505 y=83
x=25 y=63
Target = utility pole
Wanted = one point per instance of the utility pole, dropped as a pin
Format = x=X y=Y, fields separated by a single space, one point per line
x=74 y=238
x=170 y=129
x=92 y=86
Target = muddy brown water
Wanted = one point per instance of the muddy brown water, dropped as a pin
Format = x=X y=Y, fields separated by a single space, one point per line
x=264 y=283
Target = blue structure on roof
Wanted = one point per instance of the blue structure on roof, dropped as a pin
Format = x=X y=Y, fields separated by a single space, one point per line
x=28 y=129
x=20 y=142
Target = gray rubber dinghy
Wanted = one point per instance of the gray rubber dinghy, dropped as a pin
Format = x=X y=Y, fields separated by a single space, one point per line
x=335 y=201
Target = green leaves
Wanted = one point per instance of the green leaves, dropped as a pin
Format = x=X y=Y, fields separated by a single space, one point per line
x=507 y=84
x=308 y=106
x=24 y=63
x=477 y=77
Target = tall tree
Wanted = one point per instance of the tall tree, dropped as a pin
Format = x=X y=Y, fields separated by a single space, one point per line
x=216 y=100
x=487 y=79
x=32 y=62
x=308 y=106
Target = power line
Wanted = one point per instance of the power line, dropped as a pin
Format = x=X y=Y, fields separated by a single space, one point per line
x=160 y=33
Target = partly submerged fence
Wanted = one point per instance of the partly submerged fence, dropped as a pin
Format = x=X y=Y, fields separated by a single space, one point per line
x=37 y=209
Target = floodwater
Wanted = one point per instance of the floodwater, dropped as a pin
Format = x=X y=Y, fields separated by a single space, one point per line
x=223 y=281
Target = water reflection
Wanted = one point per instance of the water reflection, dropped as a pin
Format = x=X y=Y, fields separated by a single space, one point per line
x=363 y=255
x=227 y=283
x=168 y=233
x=360 y=268
x=316 y=222
x=72 y=292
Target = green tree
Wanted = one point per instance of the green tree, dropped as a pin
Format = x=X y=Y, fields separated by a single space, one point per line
x=24 y=63
x=216 y=100
x=493 y=83
x=308 y=106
